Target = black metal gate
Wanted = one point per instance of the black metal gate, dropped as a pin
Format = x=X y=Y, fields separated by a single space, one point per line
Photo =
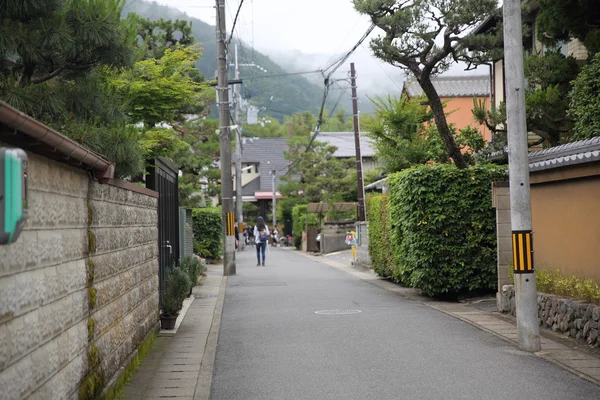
x=162 y=178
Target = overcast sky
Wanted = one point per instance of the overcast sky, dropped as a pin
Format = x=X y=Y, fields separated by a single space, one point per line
x=305 y=35
x=311 y=26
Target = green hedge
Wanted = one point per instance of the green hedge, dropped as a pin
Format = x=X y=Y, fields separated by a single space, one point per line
x=379 y=235
x=300 y=217
x=208 y=232
x=443 y=230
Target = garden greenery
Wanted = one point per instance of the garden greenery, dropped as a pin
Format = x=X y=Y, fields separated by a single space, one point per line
x=300 y=218
x=441 y=226
x=208 y=232
x=552 y=281
x=379 y=235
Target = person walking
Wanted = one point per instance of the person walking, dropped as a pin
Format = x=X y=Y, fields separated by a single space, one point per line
x=261 y=235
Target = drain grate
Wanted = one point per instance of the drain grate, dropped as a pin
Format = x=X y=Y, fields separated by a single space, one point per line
x=337 y=312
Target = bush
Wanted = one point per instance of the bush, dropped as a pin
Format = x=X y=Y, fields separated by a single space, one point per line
x=208 y=232
x=379 y=235
x=552 y=281
x=300 y=218
x=443 y=230
x=585 y=101
x=192 y=266
x=177 y=287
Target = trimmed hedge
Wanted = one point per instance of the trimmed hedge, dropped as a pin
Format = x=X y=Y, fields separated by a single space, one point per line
x=443 y=230
x=208 y=232
x=379 y=235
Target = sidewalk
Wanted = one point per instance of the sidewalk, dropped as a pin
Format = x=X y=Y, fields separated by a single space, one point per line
x=180 y=363
x=570 y=354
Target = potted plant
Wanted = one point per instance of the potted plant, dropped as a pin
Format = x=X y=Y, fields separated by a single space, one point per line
x=177 y=286
x=193 y=267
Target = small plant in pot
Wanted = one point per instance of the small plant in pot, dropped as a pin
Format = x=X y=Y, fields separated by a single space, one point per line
x=193 y=267
x=177 y=286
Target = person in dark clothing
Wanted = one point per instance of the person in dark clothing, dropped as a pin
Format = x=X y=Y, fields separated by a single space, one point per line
x=261 y=235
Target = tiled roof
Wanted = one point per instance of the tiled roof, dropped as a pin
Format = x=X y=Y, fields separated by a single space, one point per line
x=344 y=141
x=567 y=154
x=454 y=86
x=268 y=152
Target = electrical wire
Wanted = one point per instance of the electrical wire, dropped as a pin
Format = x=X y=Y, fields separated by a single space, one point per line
x=333 y=67
x=237 y=14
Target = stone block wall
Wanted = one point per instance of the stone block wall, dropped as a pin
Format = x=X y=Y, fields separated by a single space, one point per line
x=79 y=285
x=334 y=237
x=575 y=319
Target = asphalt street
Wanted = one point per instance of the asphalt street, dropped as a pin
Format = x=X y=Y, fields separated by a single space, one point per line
x=274 y=345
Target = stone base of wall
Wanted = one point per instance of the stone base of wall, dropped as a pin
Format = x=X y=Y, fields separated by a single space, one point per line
x=576 y=319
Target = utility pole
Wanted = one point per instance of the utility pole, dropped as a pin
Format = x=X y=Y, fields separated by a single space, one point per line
x=238 y=148
x=225 y=144
x=273 y=172
x=518 y=171
x=359 y=174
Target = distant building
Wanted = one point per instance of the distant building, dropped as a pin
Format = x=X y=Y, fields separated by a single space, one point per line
x=457 y=94
x=260 y=156
x=345 y=143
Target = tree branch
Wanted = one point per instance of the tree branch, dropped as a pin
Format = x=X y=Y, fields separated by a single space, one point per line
x=49 y=76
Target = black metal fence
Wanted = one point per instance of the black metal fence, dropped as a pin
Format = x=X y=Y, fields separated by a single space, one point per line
x=162 y=178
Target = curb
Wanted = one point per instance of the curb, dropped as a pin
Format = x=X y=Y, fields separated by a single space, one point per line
x=186 y=305
x=204 y=382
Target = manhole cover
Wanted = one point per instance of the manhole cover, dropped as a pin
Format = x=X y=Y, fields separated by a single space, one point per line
x=337 y=312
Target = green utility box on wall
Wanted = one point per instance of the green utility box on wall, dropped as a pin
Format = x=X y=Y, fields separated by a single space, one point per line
x=13 y=193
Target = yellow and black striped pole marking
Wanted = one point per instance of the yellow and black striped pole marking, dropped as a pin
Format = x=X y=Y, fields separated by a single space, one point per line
x=522 y=252
x=230 y=224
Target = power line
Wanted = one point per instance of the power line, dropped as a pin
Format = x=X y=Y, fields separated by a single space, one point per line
x=237 y=14
x=317 y=71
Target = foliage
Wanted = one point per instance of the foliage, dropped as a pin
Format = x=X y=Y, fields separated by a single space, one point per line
x=300 y=220
x=573 y=287
x=251 y=211
x=158 y=35
x=411 y=29
x=443 y=229
x=323 y=177
x=44 y=44
x=561 y=20
x=117 y=142
x=208 y=232
x=399 y=132
x=163 y=89
x=192 y=266
x=177 y=287
x=162 y=142
x=584 y=105
x=404 y=137
x=379 y=235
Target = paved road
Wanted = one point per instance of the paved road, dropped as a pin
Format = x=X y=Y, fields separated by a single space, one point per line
x=272 y=345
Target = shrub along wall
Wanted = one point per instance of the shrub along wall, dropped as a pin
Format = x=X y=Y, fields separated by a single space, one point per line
x=208 y=232
x=443 y=228
x=379 y=235
x=300 y=218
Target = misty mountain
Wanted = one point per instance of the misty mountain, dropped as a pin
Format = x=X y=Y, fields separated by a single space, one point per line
x=274 y=95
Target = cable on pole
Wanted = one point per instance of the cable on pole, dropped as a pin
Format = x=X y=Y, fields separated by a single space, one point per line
x=237 y=14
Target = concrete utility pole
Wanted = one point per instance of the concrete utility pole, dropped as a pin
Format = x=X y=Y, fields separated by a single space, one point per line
x=238 y=147
x=225 y=144
x=273 y=172
x=518 y=169
x=359 y=174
